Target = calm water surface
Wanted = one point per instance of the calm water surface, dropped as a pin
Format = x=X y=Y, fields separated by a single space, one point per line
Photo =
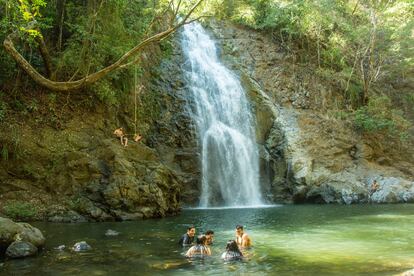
x=288 y=240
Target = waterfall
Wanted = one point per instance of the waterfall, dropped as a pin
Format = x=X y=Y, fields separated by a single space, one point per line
x=225 y=125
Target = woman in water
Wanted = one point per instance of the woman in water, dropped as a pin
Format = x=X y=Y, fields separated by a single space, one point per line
x=232 y=252
x=200 y=250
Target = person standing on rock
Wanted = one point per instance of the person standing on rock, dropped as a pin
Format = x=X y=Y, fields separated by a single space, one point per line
x=374 y=187
x=188 y=238
x=243 y=240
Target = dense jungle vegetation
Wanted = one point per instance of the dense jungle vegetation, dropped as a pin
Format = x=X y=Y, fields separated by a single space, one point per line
x=365 y=46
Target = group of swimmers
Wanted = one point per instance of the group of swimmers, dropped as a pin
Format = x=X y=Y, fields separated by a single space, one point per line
x=201 y=248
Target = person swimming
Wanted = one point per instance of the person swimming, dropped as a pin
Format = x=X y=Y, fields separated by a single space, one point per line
x=233 y=252
x=188 y=238
x=242 y=239
x=210 y=236
x=200 y=250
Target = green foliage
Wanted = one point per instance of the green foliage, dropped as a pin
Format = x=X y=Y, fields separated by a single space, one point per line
x=379 y=117
x=3 y=110
x=334 y=34
x=4 y=153
x=19 y=210
x=90 y=36
x=409 y=99
x=105 y=92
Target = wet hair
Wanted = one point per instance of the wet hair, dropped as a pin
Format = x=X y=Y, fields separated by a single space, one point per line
x=239 y=227
x=233 y=247
x=201 y=239
x=209 y=232
x=190 y=227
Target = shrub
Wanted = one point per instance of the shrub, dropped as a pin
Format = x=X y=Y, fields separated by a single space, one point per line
x=3 y=110
x=379 y=116
x=19 y=210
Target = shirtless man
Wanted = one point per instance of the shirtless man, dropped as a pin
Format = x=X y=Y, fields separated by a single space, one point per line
x=210 y=236
x=243 y=240
x=119 y=132
x=374 y=186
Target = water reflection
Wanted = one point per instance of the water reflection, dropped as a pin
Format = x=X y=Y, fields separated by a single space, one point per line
x=300 y=240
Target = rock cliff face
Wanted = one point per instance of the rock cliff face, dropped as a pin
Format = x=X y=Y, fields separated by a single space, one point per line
x=307 y=155
x=80 y=171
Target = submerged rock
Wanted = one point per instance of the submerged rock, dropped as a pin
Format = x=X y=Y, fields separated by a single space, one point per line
x=60 y=247
x=81 y=246
x=21 y=249
x=110 y=233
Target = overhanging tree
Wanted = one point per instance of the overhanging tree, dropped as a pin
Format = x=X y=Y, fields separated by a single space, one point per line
x=30 y=9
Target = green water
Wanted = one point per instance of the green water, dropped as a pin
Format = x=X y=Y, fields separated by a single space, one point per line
x=288 y=240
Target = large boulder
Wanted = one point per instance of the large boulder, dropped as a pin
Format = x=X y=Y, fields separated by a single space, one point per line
x=31 y=234
x=11 y=231
x=393 y=189
x=21 y=249
x=8 y=231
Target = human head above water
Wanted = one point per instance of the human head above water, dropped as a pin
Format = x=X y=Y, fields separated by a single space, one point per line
x=210 y=236
x=232 y=246
x=201 y=239
x=239 y=229
x=191 y=231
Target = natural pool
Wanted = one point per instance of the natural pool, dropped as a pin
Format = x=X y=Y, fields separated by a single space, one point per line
x=288 y=240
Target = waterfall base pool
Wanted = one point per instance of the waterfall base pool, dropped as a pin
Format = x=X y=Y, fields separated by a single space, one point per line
x=288 y=240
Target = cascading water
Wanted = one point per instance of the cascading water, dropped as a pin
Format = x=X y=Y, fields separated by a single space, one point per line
x=230 y=161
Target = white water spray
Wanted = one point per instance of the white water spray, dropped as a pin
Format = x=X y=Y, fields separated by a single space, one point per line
x=230 y=160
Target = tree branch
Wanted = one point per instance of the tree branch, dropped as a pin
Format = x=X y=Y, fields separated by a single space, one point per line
x=91 y=78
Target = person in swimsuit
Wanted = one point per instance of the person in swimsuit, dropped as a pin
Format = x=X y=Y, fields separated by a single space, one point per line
x=233 y=252
x=200 y=250
x=188 y=238
x=242 y=239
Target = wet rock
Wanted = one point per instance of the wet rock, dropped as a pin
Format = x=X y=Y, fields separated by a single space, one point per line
x=31 y=234
x=123 y=216
x=21 y=249
x=11 y=231
x=81 y=246
x=67 y=216
x=393 y=189
x=8 y=230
